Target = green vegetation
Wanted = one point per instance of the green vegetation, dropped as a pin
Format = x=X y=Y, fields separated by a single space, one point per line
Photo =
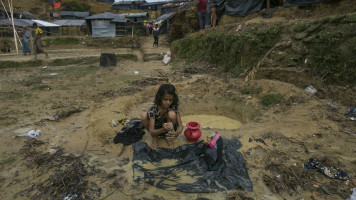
x=75 y=6
x=271 y=99
x=233 y=52
x=152 y=56
x=14 y=64
x=61 y=41
x=132 y=57
x=77 y=71
x=325 y=48
x=8 y=161
x=251 y=90
x=74 y=61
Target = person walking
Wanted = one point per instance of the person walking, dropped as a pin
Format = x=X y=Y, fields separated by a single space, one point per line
x=25 y=38
x=37 y=43
x=155 y=33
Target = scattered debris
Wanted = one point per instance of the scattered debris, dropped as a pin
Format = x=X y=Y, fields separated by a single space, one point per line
x=167 y=58
x=310 y=89
x=33 y=133
x=331 y=172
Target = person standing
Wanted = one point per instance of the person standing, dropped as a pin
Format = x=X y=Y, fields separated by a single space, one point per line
x=37 y=43
x=202 y=13
x=213 y=16
x=25 y=38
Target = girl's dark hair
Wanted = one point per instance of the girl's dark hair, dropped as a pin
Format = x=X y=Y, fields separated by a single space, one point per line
x=166 y=89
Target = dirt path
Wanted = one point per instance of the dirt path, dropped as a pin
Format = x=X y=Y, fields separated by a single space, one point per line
x=300 y=127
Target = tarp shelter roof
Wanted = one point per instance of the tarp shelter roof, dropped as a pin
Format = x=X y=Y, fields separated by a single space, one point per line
x=70 y=22
x=45 y=24
x=17 y=22
x=129 y=15
x=165 y=16
x=26 y=14
x=122 y=3
x=121 y=19
x=302 y=2
x=74 y=13
x=105 y=15
x=154 y=3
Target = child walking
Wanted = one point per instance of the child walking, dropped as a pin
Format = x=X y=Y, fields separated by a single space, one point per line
x=163 y=119
x=155 y=35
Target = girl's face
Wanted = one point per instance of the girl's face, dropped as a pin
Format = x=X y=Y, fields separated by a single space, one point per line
x=167 y=101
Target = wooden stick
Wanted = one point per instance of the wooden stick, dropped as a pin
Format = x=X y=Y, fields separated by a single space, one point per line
x=13 y=24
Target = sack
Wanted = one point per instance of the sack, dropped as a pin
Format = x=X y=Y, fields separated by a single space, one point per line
x=130 y=133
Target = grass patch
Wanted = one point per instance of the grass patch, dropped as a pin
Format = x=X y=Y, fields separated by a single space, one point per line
x=271 y=99
x=74 y=61
x=251 y=90
x=13 y=95
x=61 y=62
x=132 y=57
x=152 y=56
x=8 y=161
x=61 y=41
x=77 y=71
x=14 y=64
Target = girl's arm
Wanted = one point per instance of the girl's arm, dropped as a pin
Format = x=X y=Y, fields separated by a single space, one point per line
x=180 y=125
x=152 y=130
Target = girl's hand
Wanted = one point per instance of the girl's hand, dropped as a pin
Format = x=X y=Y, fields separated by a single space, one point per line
x=172 y=134
x=167 y=126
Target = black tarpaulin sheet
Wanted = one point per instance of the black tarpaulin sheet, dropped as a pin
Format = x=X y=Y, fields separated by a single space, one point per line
x=302 y=2
x=237 y=7
x=184 y=170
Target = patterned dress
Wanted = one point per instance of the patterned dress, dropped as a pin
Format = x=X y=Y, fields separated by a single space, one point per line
x=153 y=112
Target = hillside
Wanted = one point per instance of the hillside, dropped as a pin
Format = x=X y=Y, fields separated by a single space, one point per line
x=41 y=8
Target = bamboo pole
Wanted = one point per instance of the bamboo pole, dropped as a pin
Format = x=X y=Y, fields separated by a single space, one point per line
x=13 y=24
x=8 y=16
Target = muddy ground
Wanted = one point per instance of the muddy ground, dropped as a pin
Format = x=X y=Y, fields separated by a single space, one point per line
x=73 y=106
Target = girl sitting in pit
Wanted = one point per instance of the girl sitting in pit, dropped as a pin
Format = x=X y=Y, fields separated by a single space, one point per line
x=163 y=119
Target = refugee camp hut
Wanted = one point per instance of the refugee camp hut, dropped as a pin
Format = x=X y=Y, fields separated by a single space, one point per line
x=26 y=15
x=164 y=22
x=121 y=24
x=72 y=27
x=126 y=5
x=154 y=6
x=49 y=29
x=102 y=25
x=73 y=15
x=6 y=29
x=2 y=14
x=172 y=6
x=106 y=1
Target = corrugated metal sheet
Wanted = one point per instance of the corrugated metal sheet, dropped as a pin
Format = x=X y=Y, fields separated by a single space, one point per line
x=74 y=13
x=105 y=15
x=129 y=15
x=70 y=22
x=45 y=24
x=121 y=20
x=103 y=28
x=17 y=22
x=165 y=16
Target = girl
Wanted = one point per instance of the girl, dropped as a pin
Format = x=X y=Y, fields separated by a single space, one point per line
x=164 y=113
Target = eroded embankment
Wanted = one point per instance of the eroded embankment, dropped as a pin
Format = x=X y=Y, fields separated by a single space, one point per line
x=317 y=52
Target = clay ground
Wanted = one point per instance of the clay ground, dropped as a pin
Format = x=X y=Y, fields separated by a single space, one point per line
x=85 y=102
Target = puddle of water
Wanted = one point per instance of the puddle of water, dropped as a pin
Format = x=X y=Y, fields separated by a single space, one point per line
x=212 y=121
